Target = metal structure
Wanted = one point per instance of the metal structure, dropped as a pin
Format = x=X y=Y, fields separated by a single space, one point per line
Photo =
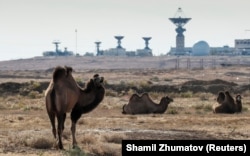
x=98 y=52
x=119 y=38
x=180 y=21
x=56 y=43
x=146 y=39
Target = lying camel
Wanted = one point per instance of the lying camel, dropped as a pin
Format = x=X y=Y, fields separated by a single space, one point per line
x=64 y=95
x=226 y=103
x=144 y=105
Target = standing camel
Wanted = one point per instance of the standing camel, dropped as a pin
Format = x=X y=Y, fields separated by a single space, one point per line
x=64 y=95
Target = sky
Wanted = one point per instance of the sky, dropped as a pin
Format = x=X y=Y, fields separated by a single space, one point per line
x=28 y=27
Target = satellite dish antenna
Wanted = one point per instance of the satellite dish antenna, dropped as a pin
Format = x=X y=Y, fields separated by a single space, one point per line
x=56 y=42
x=119 y=38
x=179 y=20
x=146 y=39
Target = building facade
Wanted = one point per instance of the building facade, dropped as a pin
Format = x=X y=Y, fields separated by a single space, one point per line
x=242 y=46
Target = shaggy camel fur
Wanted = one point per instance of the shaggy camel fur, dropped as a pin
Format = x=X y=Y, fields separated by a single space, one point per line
x=226 y=103
x=64 y=95
x=144 y=105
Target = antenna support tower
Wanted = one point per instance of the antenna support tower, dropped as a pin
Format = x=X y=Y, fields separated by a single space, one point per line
x=56 y=43
x=146 y=39
x=97 y=47
x=179 y=20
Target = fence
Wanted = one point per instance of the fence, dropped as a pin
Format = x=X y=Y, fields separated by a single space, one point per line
x=187 y=62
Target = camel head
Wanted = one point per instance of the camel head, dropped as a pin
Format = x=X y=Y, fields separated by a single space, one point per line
x=238 y=98
x=238 y=103
x=168 y=99
x=96 y=81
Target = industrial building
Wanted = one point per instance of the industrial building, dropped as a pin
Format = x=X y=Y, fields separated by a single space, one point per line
x=120 y=51
x=202 y=48
x=57 y=51
x=242 y=46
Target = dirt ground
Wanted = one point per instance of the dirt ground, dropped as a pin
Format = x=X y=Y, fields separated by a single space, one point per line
x=102 y=130
x=25 y=127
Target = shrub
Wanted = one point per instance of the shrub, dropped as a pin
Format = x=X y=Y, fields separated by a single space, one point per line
x=172 y=111
x=74 y=152
x=117 y=138
x=34 y=84
x=187 y=94
x=155 y=78
x=206 y=108
x=112 y=93
x=40 y=143
x=34 y=94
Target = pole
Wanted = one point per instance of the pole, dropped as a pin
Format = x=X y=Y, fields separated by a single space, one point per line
x=76 y=41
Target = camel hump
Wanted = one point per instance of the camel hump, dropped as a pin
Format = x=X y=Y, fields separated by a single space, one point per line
x=221 y=97
x=135 y=97
x=96 y=75
x=61 y=72
x=229 y=97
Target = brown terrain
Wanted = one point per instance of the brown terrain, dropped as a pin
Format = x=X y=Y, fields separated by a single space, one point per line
x=25 y=127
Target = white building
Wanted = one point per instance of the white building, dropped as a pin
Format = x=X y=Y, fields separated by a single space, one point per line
x=242 y=46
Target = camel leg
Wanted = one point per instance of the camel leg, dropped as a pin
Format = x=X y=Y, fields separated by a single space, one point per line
x=60 y=130
x=51 y=115
x=75 y=115
x=52 y=121
x=64 y=117
x=73 y=131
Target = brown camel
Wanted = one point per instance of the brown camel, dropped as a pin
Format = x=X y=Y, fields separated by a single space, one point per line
x=144 y=105
x=64 y=95
x=227 y=104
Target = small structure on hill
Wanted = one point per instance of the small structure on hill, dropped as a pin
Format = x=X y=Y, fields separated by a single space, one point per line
x=146 y=51
x=57 y=51
x=120 y=51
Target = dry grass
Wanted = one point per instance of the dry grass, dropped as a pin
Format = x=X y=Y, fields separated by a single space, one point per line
x=25 y=127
